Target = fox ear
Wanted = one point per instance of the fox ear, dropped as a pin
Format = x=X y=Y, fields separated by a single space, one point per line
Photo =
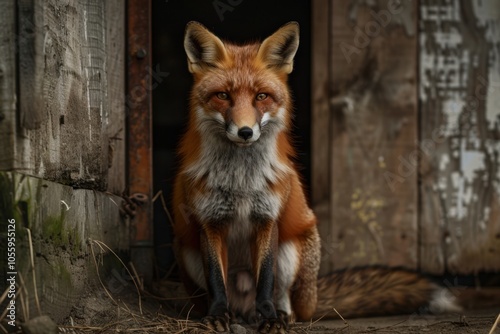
x=279 y=49
x=202 y=47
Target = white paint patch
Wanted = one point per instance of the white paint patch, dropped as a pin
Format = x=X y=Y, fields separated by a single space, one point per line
x=470 y=162
x=452 y=108
x=194 y=267
x=443 y=163
x=449 y=39
x=440 y=70
x=493 y=94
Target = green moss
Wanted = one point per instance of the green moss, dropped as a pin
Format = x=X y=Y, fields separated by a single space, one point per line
x=8 y=205
x=53 y=229
x=75 y=242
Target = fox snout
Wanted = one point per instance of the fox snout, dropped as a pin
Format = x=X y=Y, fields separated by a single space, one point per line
x=244 y=135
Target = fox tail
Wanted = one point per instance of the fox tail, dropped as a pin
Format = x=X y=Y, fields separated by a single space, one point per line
x=374 y=291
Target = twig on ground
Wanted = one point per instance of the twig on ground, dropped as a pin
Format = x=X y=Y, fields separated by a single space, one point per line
x=495 y=325
x=32 y=262
x=136 y=276
x=102 y=244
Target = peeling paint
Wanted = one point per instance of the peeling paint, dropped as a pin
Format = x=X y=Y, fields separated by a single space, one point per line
x=460 y=95
x=452 y=108
x=471 y=162
x=487 y=13
x=444 y=162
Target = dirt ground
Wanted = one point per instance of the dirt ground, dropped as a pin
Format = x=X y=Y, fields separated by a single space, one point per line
x=100 y=312
x=477 y=321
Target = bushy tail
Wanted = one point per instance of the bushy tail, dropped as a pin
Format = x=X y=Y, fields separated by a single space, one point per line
x=376 y=291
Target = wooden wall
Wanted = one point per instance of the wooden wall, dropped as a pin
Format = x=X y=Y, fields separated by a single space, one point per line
x=406 y=134
x=63 y=114
x=62 y=122
x=460 y=138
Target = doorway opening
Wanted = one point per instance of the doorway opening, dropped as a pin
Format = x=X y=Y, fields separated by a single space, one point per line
x=237 y=21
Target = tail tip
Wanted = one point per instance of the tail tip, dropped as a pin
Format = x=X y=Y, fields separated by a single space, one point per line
x=443 y=301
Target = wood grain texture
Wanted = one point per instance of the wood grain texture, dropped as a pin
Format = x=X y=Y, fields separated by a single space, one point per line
x=63 y=221
x=321 y=13
x=7 y=84
x=459 y=93
x=30 y=59
x=61 y=131
x=115 y=71
x=373 y=134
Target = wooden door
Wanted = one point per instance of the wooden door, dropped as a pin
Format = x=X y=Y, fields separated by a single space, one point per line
x=385 y=75
x=460 y=111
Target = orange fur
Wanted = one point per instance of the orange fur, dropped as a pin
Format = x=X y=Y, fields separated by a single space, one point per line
x=235 y=88
x=243 y=229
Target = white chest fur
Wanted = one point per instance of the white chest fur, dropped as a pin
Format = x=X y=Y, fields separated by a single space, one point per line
x=237 y=181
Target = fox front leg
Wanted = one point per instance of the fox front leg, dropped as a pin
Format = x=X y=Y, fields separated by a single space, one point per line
x=264 y=259
x=214 y=252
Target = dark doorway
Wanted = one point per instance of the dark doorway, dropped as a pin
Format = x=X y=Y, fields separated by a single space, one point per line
x=235 y=20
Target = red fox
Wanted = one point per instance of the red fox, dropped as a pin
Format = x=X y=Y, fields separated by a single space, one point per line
x=244 y=232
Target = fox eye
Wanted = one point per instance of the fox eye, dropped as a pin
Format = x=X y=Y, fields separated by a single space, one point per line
x=222 y=96
x=261 y=96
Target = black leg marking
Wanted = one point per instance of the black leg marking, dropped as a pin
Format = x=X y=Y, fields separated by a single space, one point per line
x=218 y=317
x=265 y=306
x=265 y=289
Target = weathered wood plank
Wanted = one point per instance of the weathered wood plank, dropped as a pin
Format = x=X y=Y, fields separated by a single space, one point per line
x=62 y=221
x=7 y=84
x=30 y=41
x=459 y=92
x=64 y=108
x=82 y=102
x=373 y=132
x=94 y=50
x=115 y=71
x=321 y=18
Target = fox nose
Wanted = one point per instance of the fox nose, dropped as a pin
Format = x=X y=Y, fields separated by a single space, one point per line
x=245 y=133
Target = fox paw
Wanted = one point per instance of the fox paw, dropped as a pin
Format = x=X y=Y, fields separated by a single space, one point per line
x=273 y=326
x=285 y=318
x=218 y=323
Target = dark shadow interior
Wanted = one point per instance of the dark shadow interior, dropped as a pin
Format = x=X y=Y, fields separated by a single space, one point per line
x=235 y=20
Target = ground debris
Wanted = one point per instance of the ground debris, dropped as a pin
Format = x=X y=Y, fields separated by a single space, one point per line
x=40 y=325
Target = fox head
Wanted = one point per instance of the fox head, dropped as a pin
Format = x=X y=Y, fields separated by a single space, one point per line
x=240 y=91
